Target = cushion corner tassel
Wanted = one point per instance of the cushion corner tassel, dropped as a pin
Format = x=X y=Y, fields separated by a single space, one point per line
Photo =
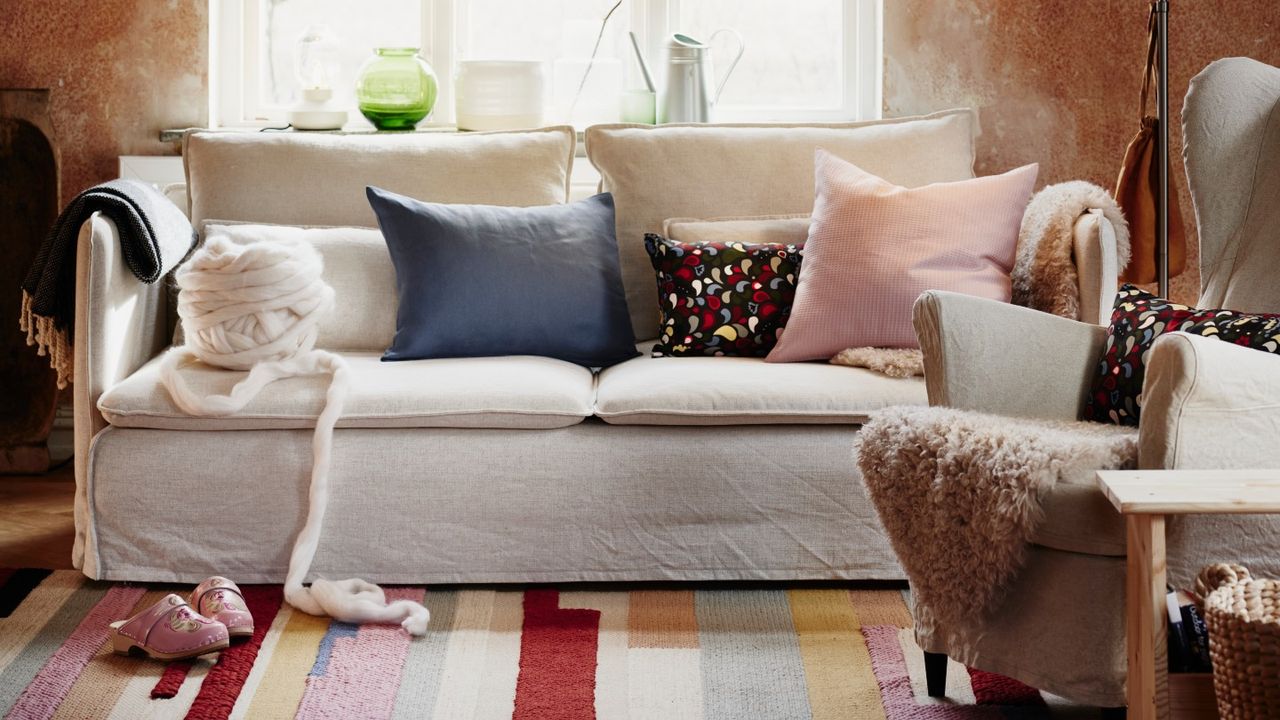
x=257 y=307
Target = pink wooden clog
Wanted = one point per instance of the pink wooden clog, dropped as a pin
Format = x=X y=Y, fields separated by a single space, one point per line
x=169 y=630
x=220 y=599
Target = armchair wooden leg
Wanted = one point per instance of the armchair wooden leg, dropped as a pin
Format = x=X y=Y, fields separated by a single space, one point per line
x=935 y=674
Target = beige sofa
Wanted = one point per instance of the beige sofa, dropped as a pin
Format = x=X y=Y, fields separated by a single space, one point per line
x=515 y=469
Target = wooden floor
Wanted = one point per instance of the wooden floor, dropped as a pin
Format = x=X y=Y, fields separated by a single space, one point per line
x=36 y=523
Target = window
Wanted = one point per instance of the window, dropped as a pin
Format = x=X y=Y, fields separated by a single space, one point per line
x=803 y=59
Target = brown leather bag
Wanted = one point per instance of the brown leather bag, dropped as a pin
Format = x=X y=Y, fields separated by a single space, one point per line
x=1138 y=187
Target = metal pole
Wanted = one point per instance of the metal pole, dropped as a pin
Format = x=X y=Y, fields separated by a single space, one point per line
x=1162 y=102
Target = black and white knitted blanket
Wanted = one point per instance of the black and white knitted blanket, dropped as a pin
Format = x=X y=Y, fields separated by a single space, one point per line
x=154 y=237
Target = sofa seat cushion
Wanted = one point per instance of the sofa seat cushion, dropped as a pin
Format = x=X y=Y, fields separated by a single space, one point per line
x=498 y=392
x=745 y=391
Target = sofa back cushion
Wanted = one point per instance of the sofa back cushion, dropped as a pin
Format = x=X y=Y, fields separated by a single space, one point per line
x=705 y=171
x=358 y=268
x=319 y=180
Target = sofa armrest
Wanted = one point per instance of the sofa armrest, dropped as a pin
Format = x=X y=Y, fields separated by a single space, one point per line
x=1097 y=266
x=1209 y=404
x=120 y=325
x=994 y=357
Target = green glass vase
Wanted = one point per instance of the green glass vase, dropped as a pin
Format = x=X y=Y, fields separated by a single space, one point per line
x=396 y=88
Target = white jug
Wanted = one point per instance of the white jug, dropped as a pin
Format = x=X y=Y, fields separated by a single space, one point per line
x=687 y=96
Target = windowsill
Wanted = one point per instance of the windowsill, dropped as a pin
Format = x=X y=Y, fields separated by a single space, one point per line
x=174 y=135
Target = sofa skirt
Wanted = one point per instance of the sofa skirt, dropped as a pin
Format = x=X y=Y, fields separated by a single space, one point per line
x=586 y=503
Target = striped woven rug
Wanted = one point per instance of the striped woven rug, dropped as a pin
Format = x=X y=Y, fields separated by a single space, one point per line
x=527 y=654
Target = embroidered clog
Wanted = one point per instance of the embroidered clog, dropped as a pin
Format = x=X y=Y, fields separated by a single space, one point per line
x=220 y=599
x=169 y=630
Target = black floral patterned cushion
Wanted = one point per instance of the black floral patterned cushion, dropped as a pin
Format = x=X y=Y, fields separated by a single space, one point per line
x=1137 y=320
x=722 y=298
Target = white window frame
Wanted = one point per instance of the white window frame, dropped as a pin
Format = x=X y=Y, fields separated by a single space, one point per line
x=234 y=37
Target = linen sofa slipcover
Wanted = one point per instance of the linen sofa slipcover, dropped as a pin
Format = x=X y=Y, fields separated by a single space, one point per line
x=587 y=501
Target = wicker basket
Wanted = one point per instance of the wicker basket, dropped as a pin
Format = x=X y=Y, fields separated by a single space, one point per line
x=1243 y=617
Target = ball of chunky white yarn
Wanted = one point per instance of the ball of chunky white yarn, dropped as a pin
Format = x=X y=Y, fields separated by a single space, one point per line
x=245 y=303
x=257 y=306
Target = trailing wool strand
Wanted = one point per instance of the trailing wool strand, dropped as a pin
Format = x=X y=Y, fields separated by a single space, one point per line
x=257 y=307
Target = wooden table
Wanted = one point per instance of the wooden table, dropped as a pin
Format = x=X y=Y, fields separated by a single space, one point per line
x=1145 y=497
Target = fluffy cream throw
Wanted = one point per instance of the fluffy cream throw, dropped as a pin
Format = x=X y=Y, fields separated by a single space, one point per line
x=1044 y=271
x=959 y=493
x=894 y=362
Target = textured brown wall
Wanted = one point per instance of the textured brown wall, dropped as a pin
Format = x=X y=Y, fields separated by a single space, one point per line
x=119 y=71
x=1057 y=81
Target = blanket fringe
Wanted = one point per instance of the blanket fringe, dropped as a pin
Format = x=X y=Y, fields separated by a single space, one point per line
x=48 y=340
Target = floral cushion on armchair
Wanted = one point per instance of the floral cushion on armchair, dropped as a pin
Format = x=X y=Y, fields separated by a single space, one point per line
x=722 y=298
x=1137 y=320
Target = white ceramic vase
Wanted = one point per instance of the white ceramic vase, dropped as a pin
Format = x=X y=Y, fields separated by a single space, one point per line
x=500 y=94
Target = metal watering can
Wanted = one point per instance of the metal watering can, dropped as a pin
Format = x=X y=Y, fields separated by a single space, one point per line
x=687 y=96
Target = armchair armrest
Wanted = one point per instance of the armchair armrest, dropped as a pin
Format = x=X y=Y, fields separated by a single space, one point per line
x=1097 y=266
x=1209 y=404
x=999 y=358
x=120 y=325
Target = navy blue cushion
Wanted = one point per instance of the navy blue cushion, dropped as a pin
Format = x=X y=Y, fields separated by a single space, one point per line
x=481 y=280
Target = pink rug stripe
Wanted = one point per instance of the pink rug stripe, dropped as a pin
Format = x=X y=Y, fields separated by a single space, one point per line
x=350 y=686
x=54 y=681
x=900 y=703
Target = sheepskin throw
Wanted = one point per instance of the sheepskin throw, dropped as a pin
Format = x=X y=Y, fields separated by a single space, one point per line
x=1044 y=271
x=894 y=362
x=959 y=494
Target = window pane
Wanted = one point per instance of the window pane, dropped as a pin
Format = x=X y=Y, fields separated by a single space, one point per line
x=793 y=57
x=356 y=27
x=561 y=33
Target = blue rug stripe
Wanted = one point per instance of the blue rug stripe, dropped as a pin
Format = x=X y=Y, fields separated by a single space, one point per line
x=336 y=630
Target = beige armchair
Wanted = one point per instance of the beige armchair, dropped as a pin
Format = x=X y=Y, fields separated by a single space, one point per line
x=1207 y=404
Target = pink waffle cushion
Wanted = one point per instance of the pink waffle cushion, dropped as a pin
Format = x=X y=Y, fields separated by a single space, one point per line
x=873 y=247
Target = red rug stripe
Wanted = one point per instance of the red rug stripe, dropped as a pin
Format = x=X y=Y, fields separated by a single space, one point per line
x=993 y=689
x=222 y=685
x=171 y=680
x=557 y=660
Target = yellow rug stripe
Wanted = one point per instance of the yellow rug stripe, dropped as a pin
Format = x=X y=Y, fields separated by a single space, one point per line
x=107 y=674
x=285 y=680
x=266 y=652
x=837 y=666
x=881 y=607
x=662 y=619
